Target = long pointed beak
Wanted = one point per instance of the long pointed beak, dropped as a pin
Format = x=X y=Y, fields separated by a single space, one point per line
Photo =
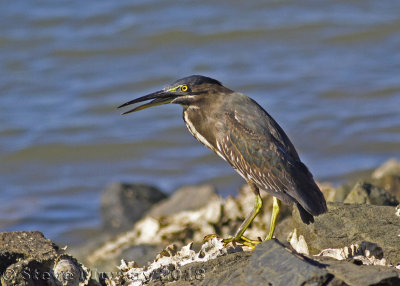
x=160 y=97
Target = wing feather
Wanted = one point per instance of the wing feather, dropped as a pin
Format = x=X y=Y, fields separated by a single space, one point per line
x=260 y=151
x=256 y=158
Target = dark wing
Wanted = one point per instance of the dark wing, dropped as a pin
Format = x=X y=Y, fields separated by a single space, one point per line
x=257 y=147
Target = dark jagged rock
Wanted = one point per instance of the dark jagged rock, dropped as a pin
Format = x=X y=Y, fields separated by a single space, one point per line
x=360 y=275
x=28 y=258
x=26 y=245
x=272 y=264
x=346 y=224
x=124 y=204
x=224 y=270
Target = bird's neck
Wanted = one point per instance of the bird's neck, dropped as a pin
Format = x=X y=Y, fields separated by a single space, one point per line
x=196 y=123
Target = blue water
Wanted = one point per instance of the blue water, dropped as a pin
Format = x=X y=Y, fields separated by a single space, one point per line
x=328 y=72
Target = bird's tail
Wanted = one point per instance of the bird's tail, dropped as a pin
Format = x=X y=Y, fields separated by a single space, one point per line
x=305 y=216
x=310 y=200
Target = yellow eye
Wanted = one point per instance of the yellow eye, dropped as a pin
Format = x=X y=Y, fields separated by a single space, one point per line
x=184 y=88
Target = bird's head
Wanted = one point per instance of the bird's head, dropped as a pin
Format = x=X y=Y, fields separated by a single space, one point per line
x=183 y=91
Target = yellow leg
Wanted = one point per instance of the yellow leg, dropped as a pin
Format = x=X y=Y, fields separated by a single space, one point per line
x=275 y=211
x=239 y=237
x=249 y=219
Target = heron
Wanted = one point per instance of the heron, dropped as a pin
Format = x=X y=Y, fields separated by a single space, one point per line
x=242 y=133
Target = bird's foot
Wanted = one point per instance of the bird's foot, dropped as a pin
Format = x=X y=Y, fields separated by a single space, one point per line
x=243 y=240
x=235 y=240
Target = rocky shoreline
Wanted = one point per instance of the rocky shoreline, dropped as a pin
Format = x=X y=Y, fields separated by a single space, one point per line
x=159 y=240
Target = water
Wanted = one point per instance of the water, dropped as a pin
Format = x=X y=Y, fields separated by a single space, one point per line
x=329 y=73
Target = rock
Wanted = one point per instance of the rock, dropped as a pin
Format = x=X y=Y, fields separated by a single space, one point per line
x=366 y=193
x=142 y=254
x=390 y=167
x=167 y=265
x=367 y=252
x=26 y=245
x=390 y=183
x=387 y=176
x=341 y=193
x=218 y=216
x=224 y=270
x=180 y=228
x=347 y=224
x=283 y=229
x=273 y=264
x=328 y=190
x=124 y=204
x=360 y=275
x=28 y=258
x=185 y=199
